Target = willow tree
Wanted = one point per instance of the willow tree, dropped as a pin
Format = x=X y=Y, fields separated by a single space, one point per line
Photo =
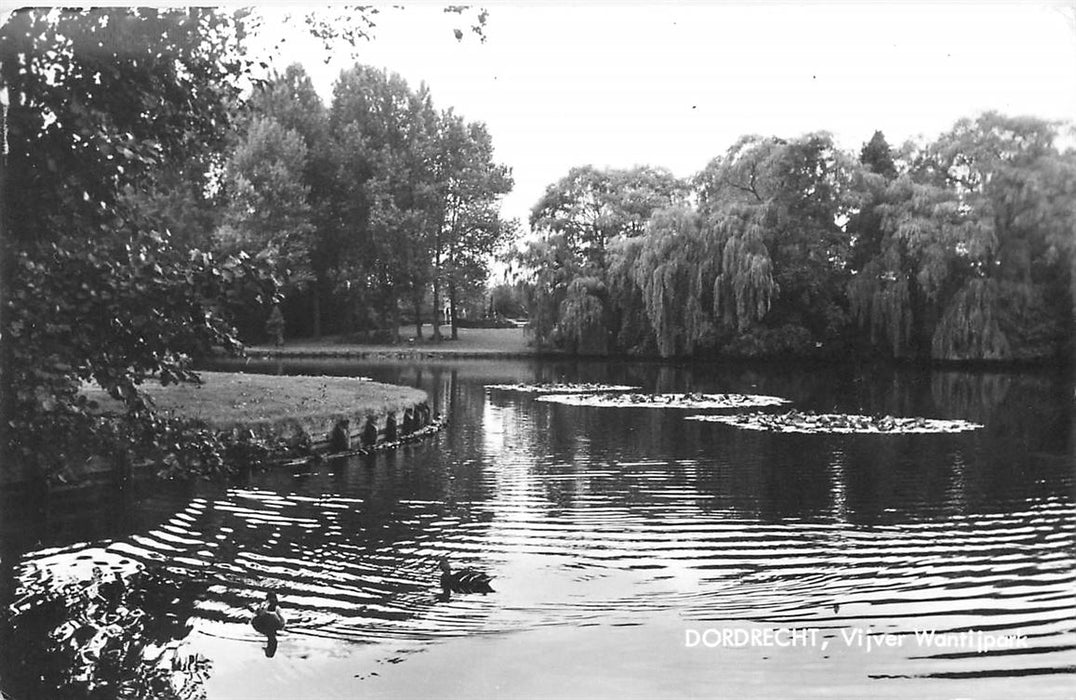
x=582 y=326
x=774 y=210
x=977 y=248
x=897 y=292
x=546 y=267
x=633 y=332
x=675 y=272
x=581 y=216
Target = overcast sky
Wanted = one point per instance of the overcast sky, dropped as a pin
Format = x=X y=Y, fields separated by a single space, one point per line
x=673 y=85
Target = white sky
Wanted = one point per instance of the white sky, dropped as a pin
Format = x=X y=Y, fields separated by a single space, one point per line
x=620 y=84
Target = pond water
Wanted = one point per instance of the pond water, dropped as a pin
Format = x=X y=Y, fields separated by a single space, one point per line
x=635 y=553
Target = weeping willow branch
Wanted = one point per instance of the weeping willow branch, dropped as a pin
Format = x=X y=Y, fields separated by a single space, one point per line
x=882 y=300
x=969 y=328
x=675 y=270
x=745 y=288
x=582 y=316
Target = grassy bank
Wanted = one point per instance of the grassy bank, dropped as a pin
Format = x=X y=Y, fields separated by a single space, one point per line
x=278 y=404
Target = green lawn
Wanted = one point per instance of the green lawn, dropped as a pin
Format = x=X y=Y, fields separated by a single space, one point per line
x=227 y=400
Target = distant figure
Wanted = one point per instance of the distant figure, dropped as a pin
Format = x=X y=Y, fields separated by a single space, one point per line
x=275 y=326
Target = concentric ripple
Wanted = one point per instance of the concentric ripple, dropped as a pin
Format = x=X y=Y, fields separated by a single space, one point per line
x=609 y=519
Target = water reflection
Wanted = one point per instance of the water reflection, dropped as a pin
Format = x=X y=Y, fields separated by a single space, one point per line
x=623 y=517
x=94 y=634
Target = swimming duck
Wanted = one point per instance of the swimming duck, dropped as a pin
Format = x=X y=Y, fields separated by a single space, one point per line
x=267 y=618
x=463 y=581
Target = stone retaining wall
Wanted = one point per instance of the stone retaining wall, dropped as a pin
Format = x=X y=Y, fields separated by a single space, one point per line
x=373 y=429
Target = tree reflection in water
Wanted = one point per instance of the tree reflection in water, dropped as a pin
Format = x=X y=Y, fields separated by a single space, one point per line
x=114 y=636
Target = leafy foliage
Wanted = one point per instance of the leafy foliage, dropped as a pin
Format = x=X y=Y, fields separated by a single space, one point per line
x=675 y=272
x=106 y=637
x=383 y=183
x=102 y=97
x=974 y=256
x=467 y=227
x=118 y=315
x=130 y=150
x=774 y=208
x=582 y=218
x=961 y=249
x=102 y=100
x=269 y=211
x=550 y=267
x=581 y=326
x=590 y=206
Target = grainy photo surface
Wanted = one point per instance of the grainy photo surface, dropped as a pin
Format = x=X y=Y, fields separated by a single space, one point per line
x=538 y=350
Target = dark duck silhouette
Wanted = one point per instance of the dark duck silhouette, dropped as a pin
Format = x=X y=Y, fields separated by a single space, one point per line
x=269 y=620
x=267 y=617
x=462 y=581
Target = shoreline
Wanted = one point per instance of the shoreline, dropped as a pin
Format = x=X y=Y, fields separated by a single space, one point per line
x=332 y=412
x=302 y=351
x=317 y=416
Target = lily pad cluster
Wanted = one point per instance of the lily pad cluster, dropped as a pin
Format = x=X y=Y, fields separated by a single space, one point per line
x=558 y=388
x=688 y=401
x=604 y=396
x=810 y=422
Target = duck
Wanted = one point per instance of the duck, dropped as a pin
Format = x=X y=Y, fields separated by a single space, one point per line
x=463 y=581
x=267 y=617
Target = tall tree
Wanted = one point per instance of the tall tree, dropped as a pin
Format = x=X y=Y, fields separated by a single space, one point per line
x=387 y=134
x=590 y=206
x=290 y=99
x=629 y=321
x=675 y=271
x=546 y=267
x=776 y=208
x=878 y=156
x=268 y=211
x=580 y=217
x=467 y=225
x=976 y=255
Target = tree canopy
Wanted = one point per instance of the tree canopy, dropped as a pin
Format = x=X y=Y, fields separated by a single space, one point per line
x=957 y=249
x=975 y=254
x=155 y=186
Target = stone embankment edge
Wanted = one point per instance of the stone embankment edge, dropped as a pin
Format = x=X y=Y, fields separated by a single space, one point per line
x=408 y=354
x=341 y=434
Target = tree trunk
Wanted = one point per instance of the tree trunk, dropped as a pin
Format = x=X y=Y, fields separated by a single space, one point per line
x=452 y=309
x=437 y=280
x=436 y=308
x=397 y=321
x=417 y=303
x=315 y=303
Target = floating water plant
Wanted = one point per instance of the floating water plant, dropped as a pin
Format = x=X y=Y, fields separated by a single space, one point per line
x=554 y=388
x=809 y=422
x=692 y=401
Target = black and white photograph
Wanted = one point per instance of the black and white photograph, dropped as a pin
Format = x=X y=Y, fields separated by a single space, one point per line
x=538 y=350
